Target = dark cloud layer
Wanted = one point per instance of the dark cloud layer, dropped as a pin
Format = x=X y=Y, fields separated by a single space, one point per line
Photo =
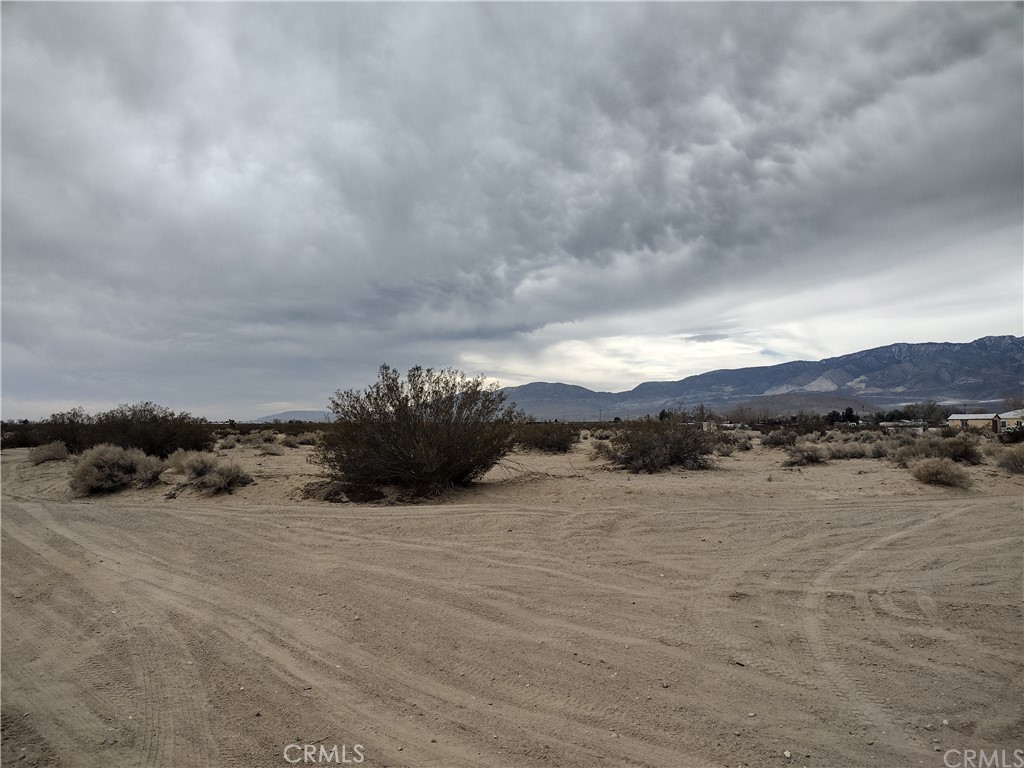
x=239 y=207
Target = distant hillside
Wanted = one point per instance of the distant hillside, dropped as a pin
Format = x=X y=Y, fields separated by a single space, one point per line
x=984 y=370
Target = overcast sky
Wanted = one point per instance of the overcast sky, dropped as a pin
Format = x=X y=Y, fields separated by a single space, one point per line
x=238 y=209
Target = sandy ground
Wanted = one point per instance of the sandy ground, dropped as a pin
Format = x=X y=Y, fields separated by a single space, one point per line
x=557 y=614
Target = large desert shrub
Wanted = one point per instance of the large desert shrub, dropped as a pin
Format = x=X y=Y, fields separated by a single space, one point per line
x=423 y=433
x=75 y=428
x=106 y=468
x=154 y=429
x=652 y=446
x=940 y=472
x=55 y=451
x=554 y=437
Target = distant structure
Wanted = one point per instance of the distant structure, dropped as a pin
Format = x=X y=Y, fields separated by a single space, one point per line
x=997 y=422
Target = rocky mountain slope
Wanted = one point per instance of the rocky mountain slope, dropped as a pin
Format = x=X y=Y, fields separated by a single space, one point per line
x=984 y=370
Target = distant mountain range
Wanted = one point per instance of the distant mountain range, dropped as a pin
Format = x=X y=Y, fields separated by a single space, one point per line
x=293 y=416
x=982 y=371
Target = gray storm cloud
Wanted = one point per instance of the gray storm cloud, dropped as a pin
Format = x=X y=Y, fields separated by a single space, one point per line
x=228 y=205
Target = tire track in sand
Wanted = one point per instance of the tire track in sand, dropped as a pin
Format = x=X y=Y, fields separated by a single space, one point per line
x=824 y=650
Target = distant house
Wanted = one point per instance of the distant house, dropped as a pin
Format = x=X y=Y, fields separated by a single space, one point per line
x=1010 y=420
x=974 y=421
x=997 y=422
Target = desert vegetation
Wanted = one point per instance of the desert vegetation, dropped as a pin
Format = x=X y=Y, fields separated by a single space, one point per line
x=940 y=472
x=107 y=468
x=208 y=473
x=551 y=437
x=423 y=433
x=653 y=446
x=55 y=451
x=151 y=428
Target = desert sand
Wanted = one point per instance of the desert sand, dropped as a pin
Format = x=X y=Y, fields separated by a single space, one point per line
x=556 y=614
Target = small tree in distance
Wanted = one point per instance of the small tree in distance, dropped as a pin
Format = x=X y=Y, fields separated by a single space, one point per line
x=430 y=431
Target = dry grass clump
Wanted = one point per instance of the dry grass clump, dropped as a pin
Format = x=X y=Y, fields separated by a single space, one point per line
x=780 y=438
x=224 y=477
x=849 y=450
x=203 y=470
x=270 y=449
x=307 y=438
x=1011 y=458
x=259 y=438
x=940 y=472
x=601 y=434
x=727 y=442
x=803 y=455
x=229 y=442
x=552 y=437
x=290 y=441
x=107 y=468
x=652 y=446
x=55 y=451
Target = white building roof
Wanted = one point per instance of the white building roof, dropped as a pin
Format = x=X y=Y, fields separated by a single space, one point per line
x=971 y=416
x=1018 y=414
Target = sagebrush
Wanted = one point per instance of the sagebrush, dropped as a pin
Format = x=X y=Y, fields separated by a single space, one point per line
x=940 y=472
x=107 y=468
x=55 y=451
x=652 y=446
x=963 y=448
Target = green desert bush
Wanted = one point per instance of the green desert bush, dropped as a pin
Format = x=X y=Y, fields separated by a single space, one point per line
x=940 y=472
x=652 y=446
x=55 y=451
x=554 y=437
x=153 y=429
x=426 y=432
x=75 y=428
x=1011 y=458
x=106 y=468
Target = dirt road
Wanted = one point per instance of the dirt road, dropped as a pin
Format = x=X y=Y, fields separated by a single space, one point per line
x=559 y=614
